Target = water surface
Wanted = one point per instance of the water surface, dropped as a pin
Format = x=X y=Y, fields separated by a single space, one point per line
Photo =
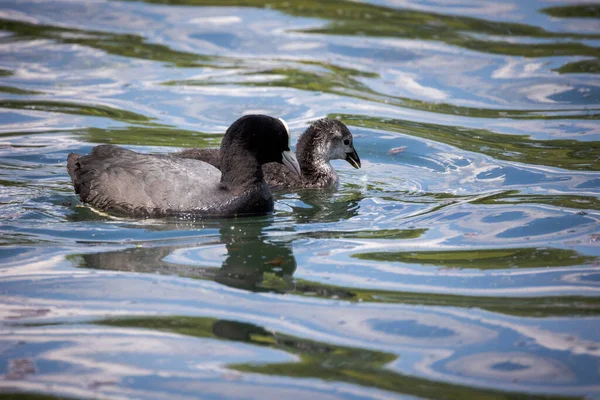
x=461 y=261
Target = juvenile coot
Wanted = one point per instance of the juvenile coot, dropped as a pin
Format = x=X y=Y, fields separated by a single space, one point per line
x=125 y=182
x=326 y=139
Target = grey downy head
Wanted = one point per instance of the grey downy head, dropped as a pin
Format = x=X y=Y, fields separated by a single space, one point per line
x=328 y=139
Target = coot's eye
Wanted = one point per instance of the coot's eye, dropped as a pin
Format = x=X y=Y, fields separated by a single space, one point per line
x=347 y=142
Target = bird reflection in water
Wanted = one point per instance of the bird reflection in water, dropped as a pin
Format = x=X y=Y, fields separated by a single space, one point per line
x=252 y=262
x=255 y=262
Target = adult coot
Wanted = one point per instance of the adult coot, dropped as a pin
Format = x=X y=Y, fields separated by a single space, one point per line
x=128 y=183
x=325 y=140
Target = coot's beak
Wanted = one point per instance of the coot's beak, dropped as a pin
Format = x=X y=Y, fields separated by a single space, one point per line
x=353 y=159
x=290 y=161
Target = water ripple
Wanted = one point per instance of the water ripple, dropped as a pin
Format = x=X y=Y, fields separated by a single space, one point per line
x=461 y=260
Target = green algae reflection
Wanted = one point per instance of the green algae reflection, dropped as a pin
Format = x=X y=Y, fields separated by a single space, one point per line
x=581 y=67
x=363 y=19
x=340 y=81
x=151 y=136
x=14 y=90
x=32 y=396
x=562 y=153
x=125 y=45
x=145 y=135
x=65 y=107
x=389 y=234
x=275 y=275
x=317 y=360
x=354 y=18
x=303 y=75
x=485 y=259
x=530 y=307
x=555 y=200
x=574 y=11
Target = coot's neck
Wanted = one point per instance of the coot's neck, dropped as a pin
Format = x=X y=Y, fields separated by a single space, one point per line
x=313 y=158
x=236 y=175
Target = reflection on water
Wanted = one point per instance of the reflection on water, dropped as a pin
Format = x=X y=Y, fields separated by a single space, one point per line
x=242 y=256
x=460 y=262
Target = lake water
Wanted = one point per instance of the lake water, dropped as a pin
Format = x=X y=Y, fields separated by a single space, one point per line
x=462 y=261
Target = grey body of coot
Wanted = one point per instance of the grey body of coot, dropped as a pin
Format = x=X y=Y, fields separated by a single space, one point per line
x=124 y=182
x=324 y=140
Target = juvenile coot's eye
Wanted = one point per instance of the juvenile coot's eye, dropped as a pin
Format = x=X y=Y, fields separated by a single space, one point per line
x=347 y=142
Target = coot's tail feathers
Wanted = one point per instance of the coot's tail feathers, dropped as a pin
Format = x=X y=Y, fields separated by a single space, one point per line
x=72 y=166
x=86 y=171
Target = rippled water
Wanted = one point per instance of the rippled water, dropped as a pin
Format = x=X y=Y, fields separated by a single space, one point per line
x=461 y=261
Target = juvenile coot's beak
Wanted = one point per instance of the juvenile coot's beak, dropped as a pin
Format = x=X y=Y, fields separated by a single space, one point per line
x=290 y=161
x=353 y=159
